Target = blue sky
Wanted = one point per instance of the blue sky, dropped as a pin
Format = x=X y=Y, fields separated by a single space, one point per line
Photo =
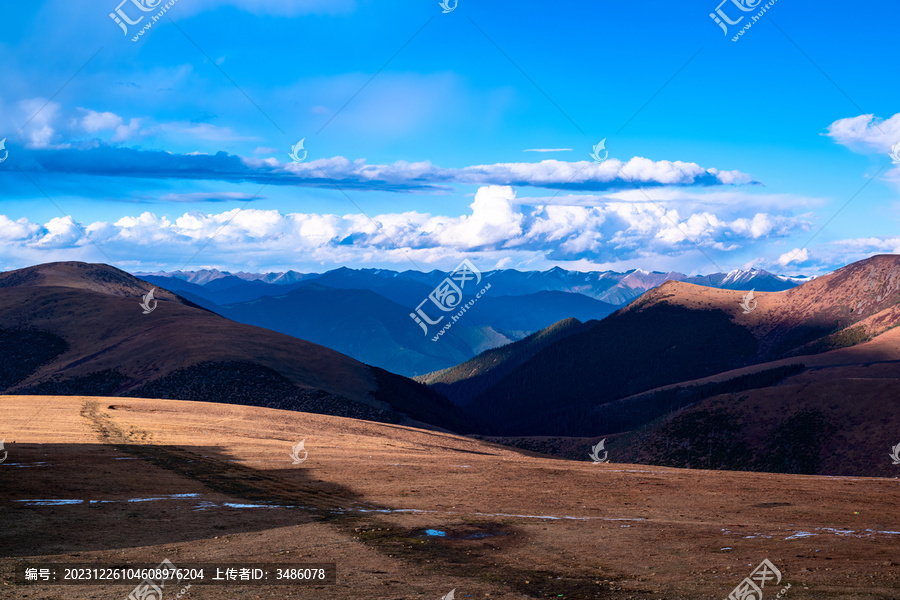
x=172 y=151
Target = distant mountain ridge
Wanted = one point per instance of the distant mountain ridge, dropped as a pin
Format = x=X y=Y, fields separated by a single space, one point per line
x=376 y=330
x=204 y=276
x=613 y=287
x=365 y=313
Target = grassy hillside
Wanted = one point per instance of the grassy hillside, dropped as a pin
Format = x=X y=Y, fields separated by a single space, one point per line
x=77 y=328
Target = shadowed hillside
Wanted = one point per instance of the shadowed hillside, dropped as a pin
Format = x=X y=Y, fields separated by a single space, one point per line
x=689 y=374
x=77 y=328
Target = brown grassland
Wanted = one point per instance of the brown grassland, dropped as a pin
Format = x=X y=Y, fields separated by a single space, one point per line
x=518 y=525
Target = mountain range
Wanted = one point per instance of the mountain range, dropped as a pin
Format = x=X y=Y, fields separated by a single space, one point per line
x=613 y=287
x=799 y=381
x=685 y=376
x=365 y=313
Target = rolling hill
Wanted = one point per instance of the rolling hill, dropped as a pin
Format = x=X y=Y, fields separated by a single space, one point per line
x=77 y=328
x=660 y=370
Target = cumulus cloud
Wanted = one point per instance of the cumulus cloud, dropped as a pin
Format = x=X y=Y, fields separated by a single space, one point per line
x=18 y=230
x=796 y=255
x=497 y=227
x=493 y=221
x=866 y=132
x=95 y=122
x=60 y=232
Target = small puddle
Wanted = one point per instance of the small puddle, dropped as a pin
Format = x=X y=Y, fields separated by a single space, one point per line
x=472 y=532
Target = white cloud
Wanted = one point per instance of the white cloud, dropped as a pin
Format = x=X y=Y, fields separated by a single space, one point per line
x=866 y=132
x=584 y=175
x=638 y=170
x=60 y=232
x=83 y=131
x=796 y=255
x=493 y=221
x=51 y=128
x=94 y=121
x=18 y=230
x=39 y=116
x=497 y=229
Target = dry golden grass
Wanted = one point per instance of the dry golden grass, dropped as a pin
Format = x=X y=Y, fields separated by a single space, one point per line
x=518 y=525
